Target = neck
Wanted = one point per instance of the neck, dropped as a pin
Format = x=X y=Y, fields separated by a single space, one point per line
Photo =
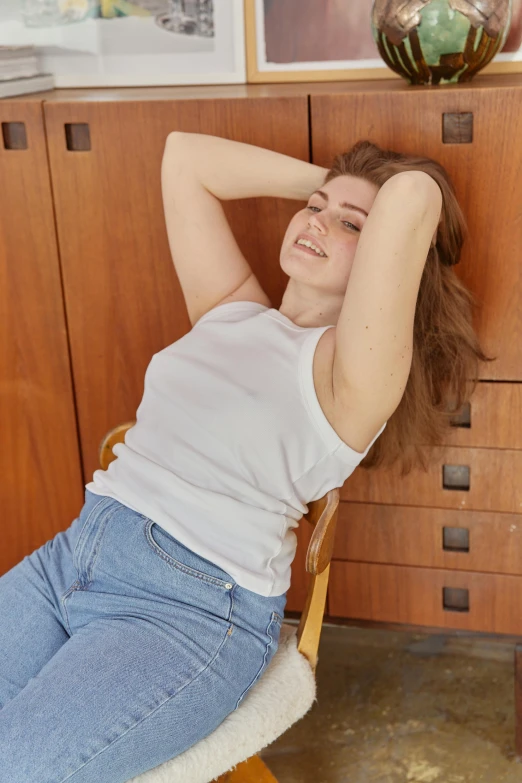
x=308 y=308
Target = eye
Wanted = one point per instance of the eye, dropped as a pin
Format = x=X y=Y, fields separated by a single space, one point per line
x=345 y=222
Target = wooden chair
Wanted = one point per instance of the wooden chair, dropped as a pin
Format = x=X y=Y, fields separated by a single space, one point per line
x=284 y=693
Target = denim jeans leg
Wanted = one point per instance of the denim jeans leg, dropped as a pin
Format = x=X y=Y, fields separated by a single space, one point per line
x=161 y=646
x=31 y=628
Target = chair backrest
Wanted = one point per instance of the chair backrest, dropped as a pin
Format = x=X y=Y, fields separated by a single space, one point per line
x=322 y=515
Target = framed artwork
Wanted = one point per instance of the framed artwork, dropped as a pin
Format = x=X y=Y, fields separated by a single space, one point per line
x=332 y=40
x=127 y=43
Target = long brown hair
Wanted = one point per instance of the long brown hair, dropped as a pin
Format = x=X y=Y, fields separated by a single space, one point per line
x=446 y=349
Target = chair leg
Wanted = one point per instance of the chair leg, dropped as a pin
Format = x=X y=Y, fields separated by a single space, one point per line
x=253 y=770
x=518 y=699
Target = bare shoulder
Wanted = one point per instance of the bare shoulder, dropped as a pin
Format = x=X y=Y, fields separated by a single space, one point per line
x=354 y=425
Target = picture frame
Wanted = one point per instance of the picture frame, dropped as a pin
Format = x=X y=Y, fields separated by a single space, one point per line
x=133 y=49
x=279 y=32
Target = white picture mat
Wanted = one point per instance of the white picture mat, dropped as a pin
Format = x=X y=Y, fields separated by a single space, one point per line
x=141 y=52
x=328 y=65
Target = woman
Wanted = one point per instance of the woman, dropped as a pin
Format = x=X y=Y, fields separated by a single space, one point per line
x=131 y=635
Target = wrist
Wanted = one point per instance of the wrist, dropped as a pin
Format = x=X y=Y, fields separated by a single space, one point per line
x=316 y=176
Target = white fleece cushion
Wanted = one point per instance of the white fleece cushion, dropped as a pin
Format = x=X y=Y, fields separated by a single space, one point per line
x=283 y=695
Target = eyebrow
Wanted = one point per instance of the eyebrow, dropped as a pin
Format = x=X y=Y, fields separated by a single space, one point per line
x=343 y=204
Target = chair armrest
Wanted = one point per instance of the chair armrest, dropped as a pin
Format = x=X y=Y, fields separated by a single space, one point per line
x=323 y=515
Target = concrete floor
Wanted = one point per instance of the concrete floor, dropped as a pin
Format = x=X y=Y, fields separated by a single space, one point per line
x=398 y=707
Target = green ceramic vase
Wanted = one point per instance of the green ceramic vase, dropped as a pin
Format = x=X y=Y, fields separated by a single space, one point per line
x=439 y=41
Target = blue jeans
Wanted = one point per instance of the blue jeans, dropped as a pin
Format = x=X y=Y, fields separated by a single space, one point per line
x=119 y=649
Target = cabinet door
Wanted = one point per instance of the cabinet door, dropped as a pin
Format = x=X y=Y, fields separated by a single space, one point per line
x=41 y=485
x=123 y=299
x=474 y=131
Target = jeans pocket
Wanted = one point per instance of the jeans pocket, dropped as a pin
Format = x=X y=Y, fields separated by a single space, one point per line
x=183 y=559
x=273 y=633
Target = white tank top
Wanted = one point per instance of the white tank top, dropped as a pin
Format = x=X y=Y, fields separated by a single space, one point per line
x=230 y=443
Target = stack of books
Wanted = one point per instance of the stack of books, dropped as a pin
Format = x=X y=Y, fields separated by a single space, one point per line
x=20 y=72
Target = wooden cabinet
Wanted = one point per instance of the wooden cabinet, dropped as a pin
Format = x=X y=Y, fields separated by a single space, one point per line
x=41 y=489
x=91 y=294
x=441 y=548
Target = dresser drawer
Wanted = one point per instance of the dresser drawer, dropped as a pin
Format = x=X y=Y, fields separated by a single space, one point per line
x=425 y=596
x=458 y=478
x=430 y=537
x=492 y=419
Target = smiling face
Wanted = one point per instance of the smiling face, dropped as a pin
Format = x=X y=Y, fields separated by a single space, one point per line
x=319 y=245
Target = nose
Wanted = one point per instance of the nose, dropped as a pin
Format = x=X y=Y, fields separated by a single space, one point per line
x=316 y=221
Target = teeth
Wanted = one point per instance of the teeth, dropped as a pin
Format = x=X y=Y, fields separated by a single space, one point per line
x=307 y=243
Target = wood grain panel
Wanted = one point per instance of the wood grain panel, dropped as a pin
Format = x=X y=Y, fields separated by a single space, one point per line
x=413 y=536
x=495 y=483
x=398 y=594
x=411 y=121
x=495 y=412
x=41 y=487
x=122 y=295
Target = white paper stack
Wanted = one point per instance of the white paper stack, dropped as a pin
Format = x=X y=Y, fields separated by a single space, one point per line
x=18 y=62
x=20 y=72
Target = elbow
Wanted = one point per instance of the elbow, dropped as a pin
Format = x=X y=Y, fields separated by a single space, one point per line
x=175 y=156
x=173 y=138
x=421 y=186
x=420 y=192
x=174 y=160
x=173 y=143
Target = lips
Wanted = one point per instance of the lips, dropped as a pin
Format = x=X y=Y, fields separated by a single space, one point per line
x=311 y=239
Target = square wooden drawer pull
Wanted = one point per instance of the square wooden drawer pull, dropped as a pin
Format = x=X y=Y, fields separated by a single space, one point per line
x=457 y=127
x=462 y=417
x=77 y=136
x=455 y=599
x=14 y=135
x=455 y=539
x=456 y=477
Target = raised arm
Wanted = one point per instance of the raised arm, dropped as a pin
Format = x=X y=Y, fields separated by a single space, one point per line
x=197 y=172
x=231 y=169
x=374 y=335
